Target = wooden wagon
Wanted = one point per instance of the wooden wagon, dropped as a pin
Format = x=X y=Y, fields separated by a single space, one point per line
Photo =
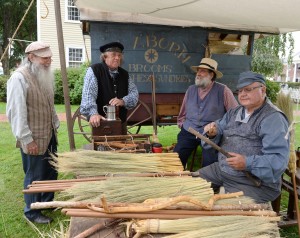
x=164 y=39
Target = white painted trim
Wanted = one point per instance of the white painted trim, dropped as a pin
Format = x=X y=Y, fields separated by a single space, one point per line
x=74 y=47
x=66 y=13
x=38 y=19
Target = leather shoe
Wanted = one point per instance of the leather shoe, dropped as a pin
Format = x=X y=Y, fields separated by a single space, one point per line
x=40 y=219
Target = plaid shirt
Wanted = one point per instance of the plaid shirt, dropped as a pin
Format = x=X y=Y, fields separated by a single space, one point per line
x=88 y=105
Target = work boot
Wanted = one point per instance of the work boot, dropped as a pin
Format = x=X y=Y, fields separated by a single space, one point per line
x=40 y=219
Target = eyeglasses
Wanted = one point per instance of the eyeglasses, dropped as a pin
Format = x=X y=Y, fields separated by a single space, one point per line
x=248 y=90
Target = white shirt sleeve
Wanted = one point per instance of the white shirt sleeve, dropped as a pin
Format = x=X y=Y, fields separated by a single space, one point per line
x=16 y=109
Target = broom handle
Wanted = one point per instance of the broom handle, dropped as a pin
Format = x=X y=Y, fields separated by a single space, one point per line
x=163 y=214
x=255 y=180
x=208 y=141
x=296 y=202
x=154 y=104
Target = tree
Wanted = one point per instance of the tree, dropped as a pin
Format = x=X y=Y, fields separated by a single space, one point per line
x=268 y=52
x=11 y=13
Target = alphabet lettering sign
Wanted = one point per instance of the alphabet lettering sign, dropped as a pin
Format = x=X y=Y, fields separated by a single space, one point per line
x=163 y=51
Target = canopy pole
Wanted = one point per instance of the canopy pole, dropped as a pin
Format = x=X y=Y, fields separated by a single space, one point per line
x=62 y=57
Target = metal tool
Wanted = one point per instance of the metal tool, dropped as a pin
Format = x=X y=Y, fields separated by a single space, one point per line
x=254 y=179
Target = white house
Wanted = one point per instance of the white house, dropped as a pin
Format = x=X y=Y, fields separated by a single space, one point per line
x=77 y=45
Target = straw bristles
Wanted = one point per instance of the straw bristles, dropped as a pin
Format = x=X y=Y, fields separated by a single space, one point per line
x=210 y=226
x=95 y=163
x=284 y=103
x=139 y=189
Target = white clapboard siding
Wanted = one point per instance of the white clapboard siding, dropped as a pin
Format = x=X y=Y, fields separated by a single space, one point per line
x=47 y=31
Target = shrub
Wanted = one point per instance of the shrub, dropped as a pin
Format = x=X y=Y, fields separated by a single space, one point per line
x=3 y=82
x=75 y=83
x=272 y=90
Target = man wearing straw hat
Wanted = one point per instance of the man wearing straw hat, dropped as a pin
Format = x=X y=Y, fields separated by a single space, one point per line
x=255 y=134
x=204 y=102
x=31 y=113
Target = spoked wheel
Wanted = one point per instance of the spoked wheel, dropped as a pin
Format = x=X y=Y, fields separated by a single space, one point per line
x=83 y=126
x=138 y=116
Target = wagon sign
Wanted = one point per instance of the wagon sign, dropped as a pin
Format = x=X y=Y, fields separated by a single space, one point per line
x=166 y=52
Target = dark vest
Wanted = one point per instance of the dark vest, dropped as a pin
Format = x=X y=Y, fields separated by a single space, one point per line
x=243 y=138
x=200 y=112
x=106 y=87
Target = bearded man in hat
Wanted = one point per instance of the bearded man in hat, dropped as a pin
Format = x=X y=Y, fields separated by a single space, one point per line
x=106 y=83
x=31 y=113
x=204 y=102
x=255 y=134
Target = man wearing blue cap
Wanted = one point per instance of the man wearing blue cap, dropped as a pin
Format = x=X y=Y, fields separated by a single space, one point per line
x=255 y=134
x=106 y=83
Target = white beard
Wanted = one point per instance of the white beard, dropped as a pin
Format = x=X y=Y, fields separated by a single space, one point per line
x=202 y=82
x=44 y=76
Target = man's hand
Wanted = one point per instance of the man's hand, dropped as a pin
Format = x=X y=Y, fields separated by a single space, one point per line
x=116 y=102
x=237 y=161
x=32 y=148
x=211 y=129
x=95 y=120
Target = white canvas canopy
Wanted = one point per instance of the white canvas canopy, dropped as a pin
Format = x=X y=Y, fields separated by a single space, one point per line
x=264 y=16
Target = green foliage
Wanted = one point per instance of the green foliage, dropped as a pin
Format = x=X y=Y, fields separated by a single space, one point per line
x=3 y=81
x=272 y=90
x=11 y=15
x=268 y=51
x=75 y=83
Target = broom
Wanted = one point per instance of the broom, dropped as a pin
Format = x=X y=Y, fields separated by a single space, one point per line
x=284 y=103
x=209 y=226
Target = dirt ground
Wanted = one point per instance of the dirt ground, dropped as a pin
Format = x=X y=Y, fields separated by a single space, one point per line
x=61 y=116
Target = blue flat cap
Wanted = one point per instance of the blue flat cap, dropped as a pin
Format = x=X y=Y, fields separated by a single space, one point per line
x=112 y=47
x=247 y=78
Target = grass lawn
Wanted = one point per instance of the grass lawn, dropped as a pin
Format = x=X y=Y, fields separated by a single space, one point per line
x=12 y=223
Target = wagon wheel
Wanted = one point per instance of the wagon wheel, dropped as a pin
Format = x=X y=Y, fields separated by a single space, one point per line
x=83 y=125
x=141 y=105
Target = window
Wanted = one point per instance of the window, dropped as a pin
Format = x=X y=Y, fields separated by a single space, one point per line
x=75 y=57
x=73 y=12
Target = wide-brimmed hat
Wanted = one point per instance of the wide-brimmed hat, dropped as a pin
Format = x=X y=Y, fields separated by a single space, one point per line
x=249 y=77
x=39 y=48
x=208 y=63
x=112 y=47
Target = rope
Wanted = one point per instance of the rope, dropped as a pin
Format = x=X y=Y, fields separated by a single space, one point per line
x=12 y=38
x=44 y=17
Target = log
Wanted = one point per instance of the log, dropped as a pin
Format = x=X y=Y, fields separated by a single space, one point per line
x=95 y=228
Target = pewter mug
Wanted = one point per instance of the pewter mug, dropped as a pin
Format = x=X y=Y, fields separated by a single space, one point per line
x=110 y=112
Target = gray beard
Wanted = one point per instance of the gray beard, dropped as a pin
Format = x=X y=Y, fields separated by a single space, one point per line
x=202 y=83
x=44 y=76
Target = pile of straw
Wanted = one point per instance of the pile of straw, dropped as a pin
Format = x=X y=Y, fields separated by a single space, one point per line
x=209 y=226
x=95 y=163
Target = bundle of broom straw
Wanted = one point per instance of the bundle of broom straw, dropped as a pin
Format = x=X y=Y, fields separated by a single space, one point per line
x=140 y=189
x=208 y=226
x=95 y=163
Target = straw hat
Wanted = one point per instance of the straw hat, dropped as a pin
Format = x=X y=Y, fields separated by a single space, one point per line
x=207 y=63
